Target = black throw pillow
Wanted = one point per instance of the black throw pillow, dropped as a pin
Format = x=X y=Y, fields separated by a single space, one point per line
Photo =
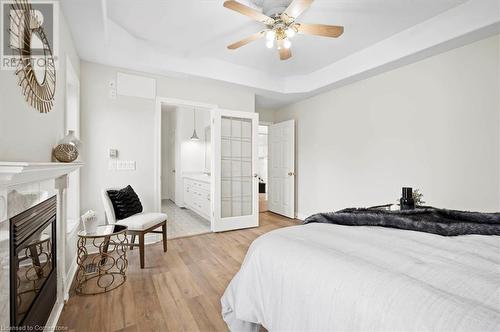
x=125 y=202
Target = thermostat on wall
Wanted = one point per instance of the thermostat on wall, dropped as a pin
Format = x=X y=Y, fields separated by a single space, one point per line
x=113 y=153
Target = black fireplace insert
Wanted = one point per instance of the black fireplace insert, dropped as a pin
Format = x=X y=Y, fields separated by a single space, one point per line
x=33 y=275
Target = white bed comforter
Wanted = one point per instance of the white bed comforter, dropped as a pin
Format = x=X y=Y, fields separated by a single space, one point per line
x=329 y=277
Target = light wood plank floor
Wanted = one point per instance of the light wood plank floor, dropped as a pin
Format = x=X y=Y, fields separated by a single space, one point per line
x=179 y=290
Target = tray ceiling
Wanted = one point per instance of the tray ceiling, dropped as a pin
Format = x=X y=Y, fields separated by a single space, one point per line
x=190 y=37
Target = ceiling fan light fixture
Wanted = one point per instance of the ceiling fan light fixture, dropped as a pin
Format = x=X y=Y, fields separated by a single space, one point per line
x=270 y=35
x=280 y=23
x=287 y=44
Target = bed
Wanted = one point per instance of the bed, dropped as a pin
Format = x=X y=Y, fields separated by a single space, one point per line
x=319 y=277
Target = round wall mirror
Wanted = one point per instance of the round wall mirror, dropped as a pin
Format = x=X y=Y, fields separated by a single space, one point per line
x=36 y=72
x=38 y=61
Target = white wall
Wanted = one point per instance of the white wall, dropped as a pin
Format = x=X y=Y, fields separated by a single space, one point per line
x=26 y=134
x=432 y=125
x=192 y=152
x=266 y=114
x=127 y=124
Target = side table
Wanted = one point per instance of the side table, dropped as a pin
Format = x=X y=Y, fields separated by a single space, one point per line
x=102 y=259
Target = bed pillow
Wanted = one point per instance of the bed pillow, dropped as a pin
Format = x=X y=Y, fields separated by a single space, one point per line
x=125 y=202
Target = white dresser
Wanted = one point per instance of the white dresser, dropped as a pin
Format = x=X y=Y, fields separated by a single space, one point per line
x=197 y=194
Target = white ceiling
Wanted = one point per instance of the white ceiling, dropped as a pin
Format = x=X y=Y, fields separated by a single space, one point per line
x=197 y=28
x=190 y=37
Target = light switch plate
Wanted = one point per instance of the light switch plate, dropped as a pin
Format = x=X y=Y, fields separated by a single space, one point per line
x=125 y=165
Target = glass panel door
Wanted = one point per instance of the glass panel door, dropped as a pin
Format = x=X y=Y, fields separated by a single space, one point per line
x=235 y=163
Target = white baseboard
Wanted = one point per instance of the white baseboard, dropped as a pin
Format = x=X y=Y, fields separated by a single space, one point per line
x=302 y=216
x=54 y=317
x=69 y=279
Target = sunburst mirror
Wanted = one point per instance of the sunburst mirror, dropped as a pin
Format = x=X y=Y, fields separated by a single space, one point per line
x=36 y=70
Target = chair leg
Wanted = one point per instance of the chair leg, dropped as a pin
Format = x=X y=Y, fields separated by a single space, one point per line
x=141 y=249
x=164 y=234
x=132 y=241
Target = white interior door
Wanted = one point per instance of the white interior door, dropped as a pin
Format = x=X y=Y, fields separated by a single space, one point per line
x=234 y=164
x=281 y=154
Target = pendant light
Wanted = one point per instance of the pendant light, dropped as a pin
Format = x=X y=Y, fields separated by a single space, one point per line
x=194 y=137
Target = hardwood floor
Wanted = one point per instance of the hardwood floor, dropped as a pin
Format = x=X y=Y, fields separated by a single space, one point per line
x=179 y=290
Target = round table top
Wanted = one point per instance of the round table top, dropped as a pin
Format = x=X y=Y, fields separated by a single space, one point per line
x=102 y=231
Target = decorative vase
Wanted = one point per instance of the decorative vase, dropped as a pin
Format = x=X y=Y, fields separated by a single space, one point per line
x=66 y=150
x=89 y=220
x=407 y=202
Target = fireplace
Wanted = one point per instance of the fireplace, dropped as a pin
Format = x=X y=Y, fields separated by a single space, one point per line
x=33 y=275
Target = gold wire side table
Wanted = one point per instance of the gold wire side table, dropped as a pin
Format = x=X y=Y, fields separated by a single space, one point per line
x=102 y=259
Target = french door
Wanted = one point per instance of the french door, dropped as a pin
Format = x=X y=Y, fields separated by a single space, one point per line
x=234 y=170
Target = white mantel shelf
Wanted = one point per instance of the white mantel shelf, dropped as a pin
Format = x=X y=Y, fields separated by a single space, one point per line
x=14 y=173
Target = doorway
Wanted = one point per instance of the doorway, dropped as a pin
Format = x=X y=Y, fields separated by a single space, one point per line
x=262 y=142
x=185 y=174
x=224 y=186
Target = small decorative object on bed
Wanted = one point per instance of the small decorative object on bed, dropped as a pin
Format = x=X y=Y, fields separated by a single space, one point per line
x=406 y=201
x=418 y=197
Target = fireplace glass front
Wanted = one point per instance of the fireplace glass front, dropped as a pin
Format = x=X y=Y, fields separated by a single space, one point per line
x=33 y=264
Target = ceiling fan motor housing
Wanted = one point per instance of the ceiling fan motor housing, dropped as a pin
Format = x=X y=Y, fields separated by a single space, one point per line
x=272 y=7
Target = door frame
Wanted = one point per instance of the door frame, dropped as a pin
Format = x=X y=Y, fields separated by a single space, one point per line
x=157 y=138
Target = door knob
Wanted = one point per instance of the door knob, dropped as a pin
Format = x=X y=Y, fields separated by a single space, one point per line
x=291 y=173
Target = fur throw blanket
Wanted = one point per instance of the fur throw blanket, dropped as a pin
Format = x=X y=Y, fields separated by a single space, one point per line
x=424 y=219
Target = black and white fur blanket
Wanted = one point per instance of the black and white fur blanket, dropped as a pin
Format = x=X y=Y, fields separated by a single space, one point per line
x=426 y=219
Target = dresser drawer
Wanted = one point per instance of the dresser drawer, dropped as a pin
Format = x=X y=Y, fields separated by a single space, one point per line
x=197 y=197
x=202 y=185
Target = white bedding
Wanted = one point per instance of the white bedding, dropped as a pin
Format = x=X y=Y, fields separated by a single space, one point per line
x=330 y=277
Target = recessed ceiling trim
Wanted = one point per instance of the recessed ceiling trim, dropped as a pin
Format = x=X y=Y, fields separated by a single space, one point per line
x=454 y=23
x=122 y=49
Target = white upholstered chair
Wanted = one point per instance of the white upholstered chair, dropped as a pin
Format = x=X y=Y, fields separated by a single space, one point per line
x=138 y=225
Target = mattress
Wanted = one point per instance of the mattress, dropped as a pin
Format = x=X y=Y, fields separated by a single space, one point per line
x=319 y=277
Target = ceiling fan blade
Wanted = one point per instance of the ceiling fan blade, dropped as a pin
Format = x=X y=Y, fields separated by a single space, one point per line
x=247 y=40
x=320 y=29
x=296 y=8
x=285 y=53
x=247 y=11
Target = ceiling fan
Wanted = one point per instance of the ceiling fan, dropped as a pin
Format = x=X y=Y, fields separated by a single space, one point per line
x=280 y=24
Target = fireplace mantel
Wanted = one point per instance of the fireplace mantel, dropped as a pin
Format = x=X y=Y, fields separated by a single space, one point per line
x=25 y=178
x=15 y=173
